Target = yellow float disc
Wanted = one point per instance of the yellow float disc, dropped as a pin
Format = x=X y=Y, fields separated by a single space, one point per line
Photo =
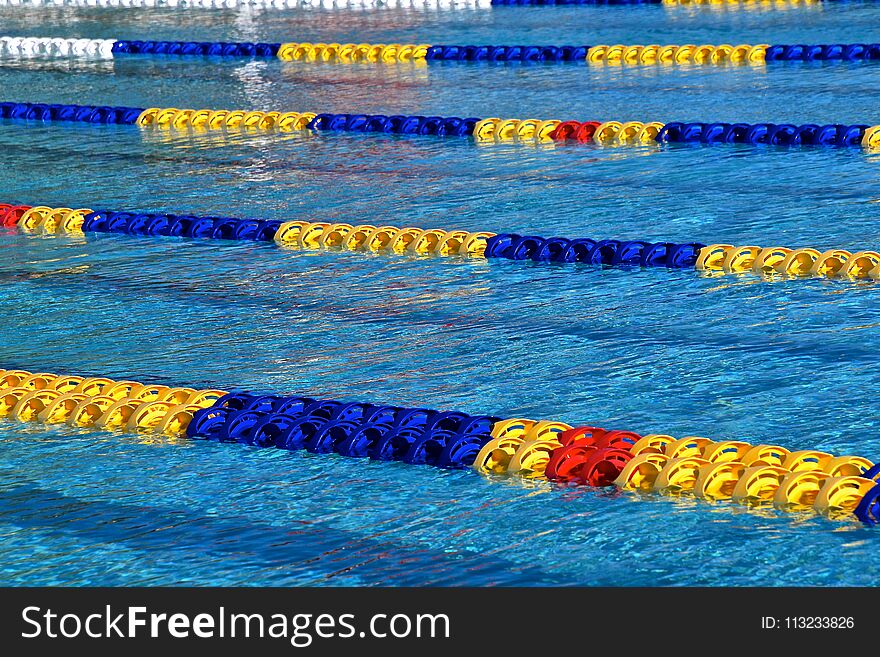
x=614 y=54
x=12 y=378
x=798 y=490
x=606 y=133
x=381 y=238
x=117 y=416
x=93 y=385
x=199 y=118
x=66 y=383
x=177 y=395
x=740 y=258
x=726 y=451
x=496 y=454
x=512 y=428
x=531 y=459
x=59 y=410
x=29 y=406
x=631 y=54
x=630 y=132
x=87 y=412
x=545 y=129
x=860 y=264
x=687 y=446
x=335 y=235
x=149 y=393
x=712 y=257
x=205 y=398
x=176 y=420
x=122 y=389
x=388 y=54
x=721 y=54
x=451 y=243
x=287 y=120
x=485 y=130
x=9 y=399
x=216 y=119
x=357 y=237
x=148 y=416
x=233 y=119
x=649 y=54
x=641 y=471
x=871 y=138
x=717 y=481
x=765 y=455
x=596 y=54
x=288 y=233
x=33 y=218
x=830 y=263
x=38 y=381
x=806 y=460
x=166 y=115
x=405 y=239
x=666 y=54
x=181 y=118
x=427 y=242
x=847 y=466
x=652 y=444
x=311 y=235
x=679 y=475
x=684 y=54
x=253 y=119
x=769 y=259
x=545 y=430
x=839 y=496
x=740 y=54
x=148 y=116
x=73 y=221
x=758 y=54
x=475 y=244
x=758 y=484
x=649 y=133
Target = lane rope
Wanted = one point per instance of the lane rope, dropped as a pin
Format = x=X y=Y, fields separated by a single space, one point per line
x=489 y=130
x=735 y=471
x=775 y=262
x=616 y=54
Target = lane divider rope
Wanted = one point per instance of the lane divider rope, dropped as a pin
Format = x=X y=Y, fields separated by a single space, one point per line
x=756 y=476
x=617 y=54
x=494 y=129
x=712 y=260
x=379 y=4
x=268 y=4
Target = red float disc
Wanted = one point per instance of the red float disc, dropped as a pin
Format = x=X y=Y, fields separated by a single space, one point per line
x=565 y=130
x=604 y=466
x=565 y=462
x=580 y=436
x=11 y=214
x=619 y=439
x=586 y=131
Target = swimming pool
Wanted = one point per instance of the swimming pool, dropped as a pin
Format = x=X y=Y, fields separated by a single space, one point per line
x=652 y=350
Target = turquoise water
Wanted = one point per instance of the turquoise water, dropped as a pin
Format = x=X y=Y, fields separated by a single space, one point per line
x=794 y=363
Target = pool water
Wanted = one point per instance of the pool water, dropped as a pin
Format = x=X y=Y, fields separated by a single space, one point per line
x=654 y=351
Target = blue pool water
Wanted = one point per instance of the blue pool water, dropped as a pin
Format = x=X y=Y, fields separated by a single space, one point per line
x=794 y=363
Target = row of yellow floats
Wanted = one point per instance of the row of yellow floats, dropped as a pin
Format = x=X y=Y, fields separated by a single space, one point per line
x=351 y=52
x=205 y=119
x=368 y=237
x=834 y=263
x=677 y=54
x=100 y=403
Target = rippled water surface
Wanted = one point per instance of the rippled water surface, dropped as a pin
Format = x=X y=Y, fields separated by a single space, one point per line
x=794 y=363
